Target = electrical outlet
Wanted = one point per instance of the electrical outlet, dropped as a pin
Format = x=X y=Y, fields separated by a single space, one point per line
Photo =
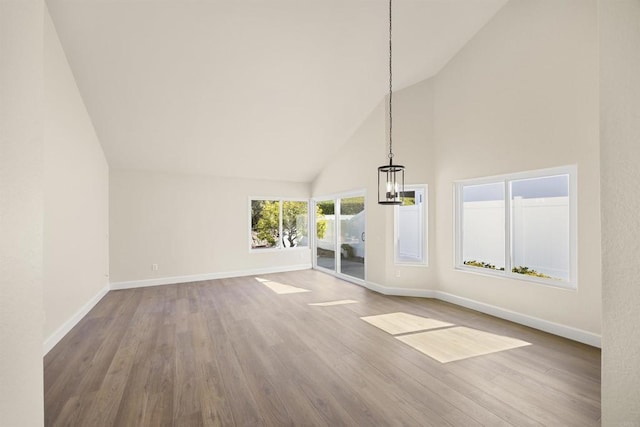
x=154 y=267
x=397 y=273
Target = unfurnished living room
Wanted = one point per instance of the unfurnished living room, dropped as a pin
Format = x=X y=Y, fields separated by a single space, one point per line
x=319 y=213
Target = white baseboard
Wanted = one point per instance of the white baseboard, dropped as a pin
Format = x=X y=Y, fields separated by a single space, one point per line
x=523 y=319
x=63 y=330
x=208 y=276
x=399 y=292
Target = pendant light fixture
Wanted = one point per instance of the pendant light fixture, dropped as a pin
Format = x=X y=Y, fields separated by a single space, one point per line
x=390 y=177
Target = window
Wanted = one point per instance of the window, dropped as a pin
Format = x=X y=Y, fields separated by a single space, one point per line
x=277 y=224
x=521 y=226
x=410 y=227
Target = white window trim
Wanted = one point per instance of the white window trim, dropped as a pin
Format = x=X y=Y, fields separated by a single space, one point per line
x=280 y=247
x=424 y=262
x=572 y=171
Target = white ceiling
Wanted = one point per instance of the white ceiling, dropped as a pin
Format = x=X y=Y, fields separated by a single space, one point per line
x=252 y=88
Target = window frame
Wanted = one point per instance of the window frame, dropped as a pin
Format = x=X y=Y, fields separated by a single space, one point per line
x=424 y=235
x=337 y=199
x=571 y=172
x=279 y=247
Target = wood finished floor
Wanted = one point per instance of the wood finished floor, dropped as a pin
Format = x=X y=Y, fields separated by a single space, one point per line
x=232 y=352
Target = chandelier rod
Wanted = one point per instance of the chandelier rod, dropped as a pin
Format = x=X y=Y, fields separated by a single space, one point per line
x=390 y=87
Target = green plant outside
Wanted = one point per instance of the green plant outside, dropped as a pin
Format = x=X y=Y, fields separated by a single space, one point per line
x=347 y=207
x=519 y=269
x=321 y=222
x=348 y=250
x=265 y=218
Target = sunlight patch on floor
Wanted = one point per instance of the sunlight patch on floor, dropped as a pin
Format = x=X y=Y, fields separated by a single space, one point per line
x=448 y=345
x=401 y=323
x=328 y=303
x=281 y=288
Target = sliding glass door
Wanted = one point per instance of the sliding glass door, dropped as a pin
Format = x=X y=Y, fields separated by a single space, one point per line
x=340 y=236
x=352 y=236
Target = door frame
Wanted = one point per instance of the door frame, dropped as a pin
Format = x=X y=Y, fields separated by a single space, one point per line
x=337 y=199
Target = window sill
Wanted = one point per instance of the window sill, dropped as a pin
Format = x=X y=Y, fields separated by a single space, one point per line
x=553 y=283
x=272 y=250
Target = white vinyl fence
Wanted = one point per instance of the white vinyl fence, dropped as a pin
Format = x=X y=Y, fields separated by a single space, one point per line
x=539 y=234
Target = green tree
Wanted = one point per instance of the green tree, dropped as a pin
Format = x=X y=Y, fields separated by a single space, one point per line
x=295 y=219
x=327 y=207
x=265 y=220
x=321 y=222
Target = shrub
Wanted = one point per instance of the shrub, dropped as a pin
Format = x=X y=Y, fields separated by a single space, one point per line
x=347 y=250
x=519 y=269
x=526 y=270
x=481 y=264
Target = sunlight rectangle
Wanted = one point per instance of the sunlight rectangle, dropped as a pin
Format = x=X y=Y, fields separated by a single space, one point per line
x=281 y=288
x=329 y=303
x=448 y=345
x=401 y=323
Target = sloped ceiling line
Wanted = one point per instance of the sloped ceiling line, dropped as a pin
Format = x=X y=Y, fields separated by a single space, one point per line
x=237 y=88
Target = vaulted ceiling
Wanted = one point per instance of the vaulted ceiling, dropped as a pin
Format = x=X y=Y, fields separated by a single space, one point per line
x=252 y=88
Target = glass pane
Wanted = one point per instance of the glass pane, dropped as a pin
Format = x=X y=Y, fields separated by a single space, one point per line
x=265 y=224
x=410 y=232
x=352 y=222
x=294 y=224
x=540 y=227
x=483 y=226
x=325 y=234
x=408 y=198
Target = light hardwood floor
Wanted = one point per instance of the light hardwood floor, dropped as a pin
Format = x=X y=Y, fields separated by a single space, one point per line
x=233 y=352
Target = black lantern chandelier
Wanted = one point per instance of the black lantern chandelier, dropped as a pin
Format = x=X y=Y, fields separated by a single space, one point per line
x=390 y=177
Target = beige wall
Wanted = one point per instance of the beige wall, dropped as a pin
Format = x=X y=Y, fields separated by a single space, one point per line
x=355 y=168
x=21 y=213
x=413 y=148
x=522 y=95
x=620 y=157
x=189 y=225
x=76 y=196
